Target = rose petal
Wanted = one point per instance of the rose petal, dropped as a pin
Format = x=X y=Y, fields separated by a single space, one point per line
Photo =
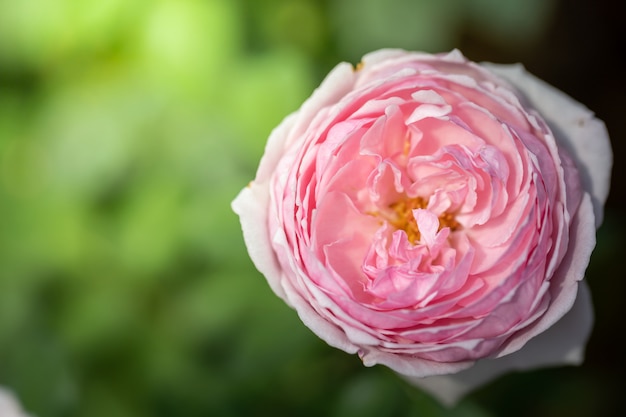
x=562 y=344
x=251 y=204
x=576 y=128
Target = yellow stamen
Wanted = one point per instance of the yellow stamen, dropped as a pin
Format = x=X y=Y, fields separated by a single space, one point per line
x=448 y=220
x=402 y=217
x=407 y=147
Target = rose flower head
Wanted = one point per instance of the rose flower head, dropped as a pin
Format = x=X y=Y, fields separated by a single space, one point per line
x=433 y=215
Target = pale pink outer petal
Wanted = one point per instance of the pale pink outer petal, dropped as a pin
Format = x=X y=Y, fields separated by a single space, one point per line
x=561 y=344
x=549 y=348
x=587 y=141
x=576 y=129
x=570 y=271
x=252 y=203
x=9 y=405
x=252 y=207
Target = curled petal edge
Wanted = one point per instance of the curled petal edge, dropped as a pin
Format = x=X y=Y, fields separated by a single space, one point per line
x=251 y=204
x=575 y=127
x=562 y=344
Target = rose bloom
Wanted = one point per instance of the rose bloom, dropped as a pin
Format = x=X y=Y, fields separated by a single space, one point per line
x=435 y=216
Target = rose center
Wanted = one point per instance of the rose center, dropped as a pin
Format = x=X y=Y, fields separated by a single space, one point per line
x=402 y=217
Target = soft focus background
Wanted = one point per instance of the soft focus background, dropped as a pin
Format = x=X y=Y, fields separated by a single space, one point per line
x=127 y=127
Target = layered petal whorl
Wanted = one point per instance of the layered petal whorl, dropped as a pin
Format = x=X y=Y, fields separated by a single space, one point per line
x=421 y=213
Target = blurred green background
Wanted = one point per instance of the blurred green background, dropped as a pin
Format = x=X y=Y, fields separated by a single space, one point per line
x=127 y=127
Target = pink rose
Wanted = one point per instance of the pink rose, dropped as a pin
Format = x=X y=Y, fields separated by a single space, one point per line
x=435 y=216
